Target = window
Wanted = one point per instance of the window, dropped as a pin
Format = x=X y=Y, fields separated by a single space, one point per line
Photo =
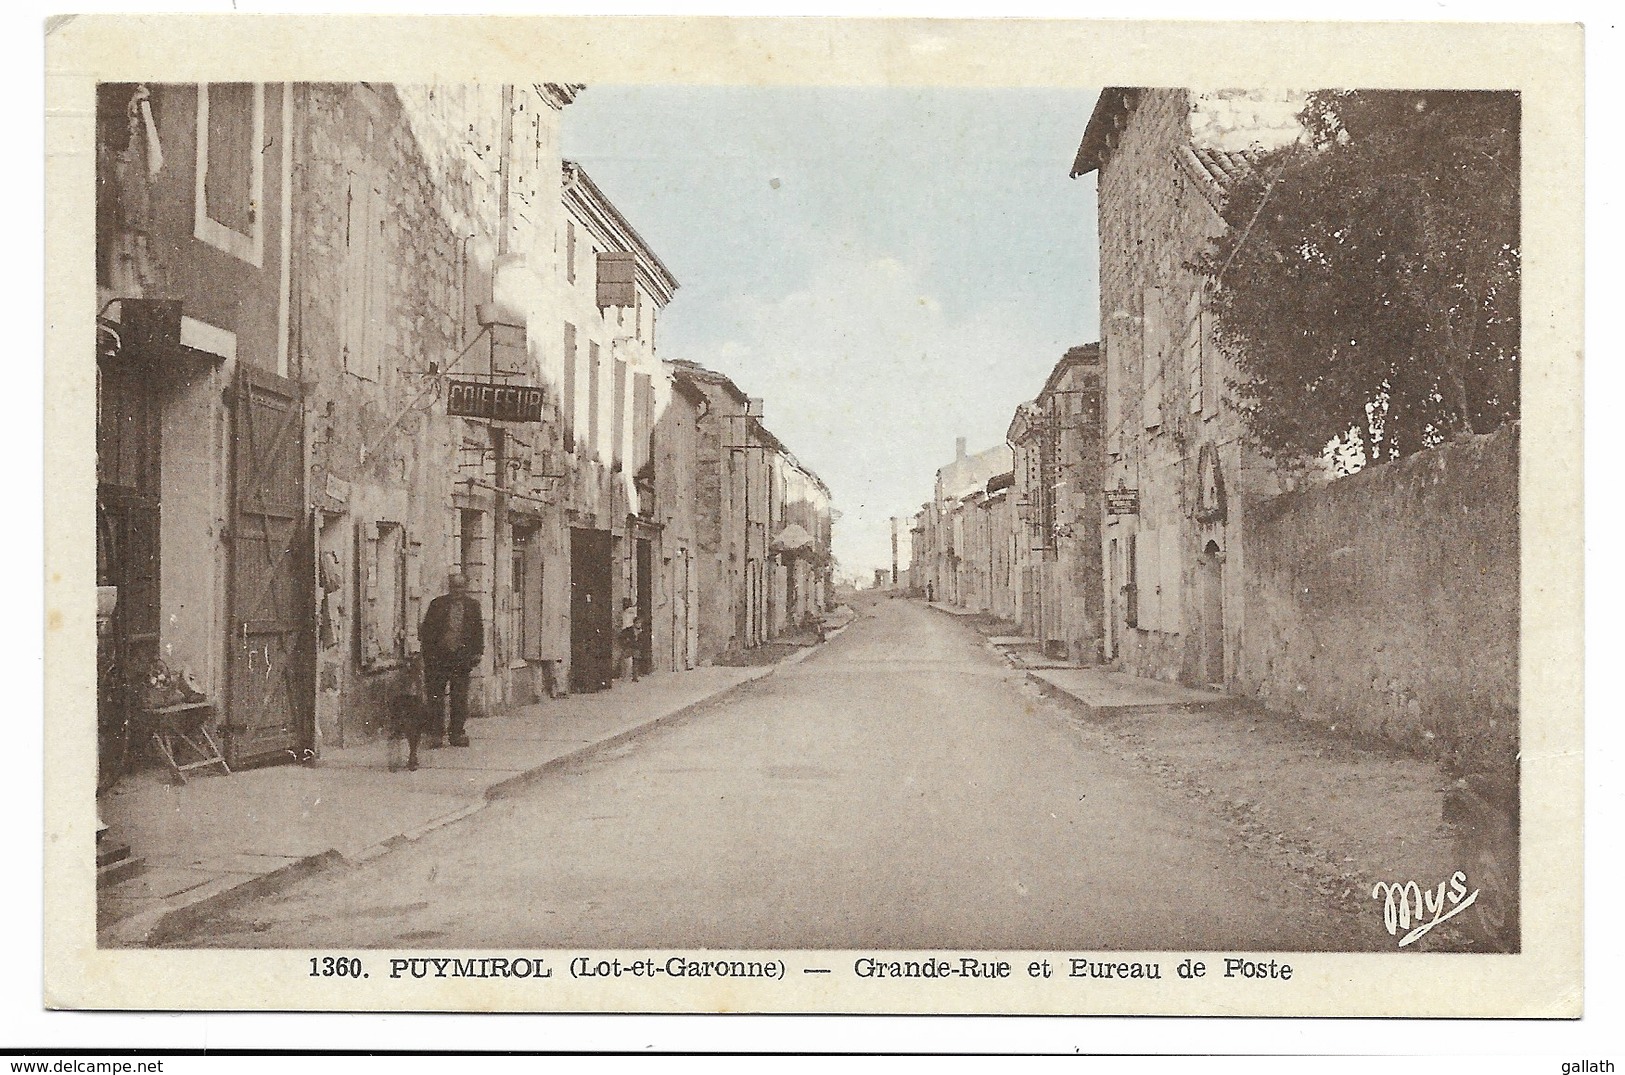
x=229 y=195
x=570 y=251
x=384 y=593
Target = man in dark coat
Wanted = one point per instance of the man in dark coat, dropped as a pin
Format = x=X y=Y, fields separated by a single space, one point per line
x=453 y=638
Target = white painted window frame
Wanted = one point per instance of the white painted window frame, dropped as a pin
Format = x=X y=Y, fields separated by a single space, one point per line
x=249 y=248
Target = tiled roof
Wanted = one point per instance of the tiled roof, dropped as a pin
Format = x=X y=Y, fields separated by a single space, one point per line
x=1111 y=108
x=1218 y=171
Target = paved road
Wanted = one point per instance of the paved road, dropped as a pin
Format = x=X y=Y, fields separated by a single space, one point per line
x=901 y=789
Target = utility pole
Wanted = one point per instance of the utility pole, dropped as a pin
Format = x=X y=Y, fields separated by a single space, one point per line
x=894 y=552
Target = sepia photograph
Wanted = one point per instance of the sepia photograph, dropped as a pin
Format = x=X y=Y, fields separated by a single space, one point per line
x=823 y=539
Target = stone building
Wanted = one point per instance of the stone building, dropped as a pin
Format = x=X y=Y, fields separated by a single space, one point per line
x=675 y=627
x=201 y=546
x=612 y=391
x=1174 y=538
x=801 y=543
x=351 y=337
x=1058 y=463
x=423 y=246
x=756 y=575
x=986 y=530
x=941 y=564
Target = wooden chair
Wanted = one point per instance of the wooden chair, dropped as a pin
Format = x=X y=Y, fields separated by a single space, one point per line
x=181 y=727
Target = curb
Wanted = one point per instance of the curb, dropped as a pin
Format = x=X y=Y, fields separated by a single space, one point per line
x=152 y=928
x=506 y=788
x=160 y=924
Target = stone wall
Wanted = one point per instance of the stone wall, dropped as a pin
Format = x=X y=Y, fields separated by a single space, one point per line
x=1387 y=602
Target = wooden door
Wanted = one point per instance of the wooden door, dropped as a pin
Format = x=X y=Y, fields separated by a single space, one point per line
x=1211 y=577
x=591 y=618
x=645 y=603
x=272 y=645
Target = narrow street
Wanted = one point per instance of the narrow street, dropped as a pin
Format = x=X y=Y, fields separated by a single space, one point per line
x=902 y=789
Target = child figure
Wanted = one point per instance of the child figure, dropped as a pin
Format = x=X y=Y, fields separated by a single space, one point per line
x=631 y=631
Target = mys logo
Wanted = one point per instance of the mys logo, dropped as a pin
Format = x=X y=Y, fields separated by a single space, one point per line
x=1405 y=903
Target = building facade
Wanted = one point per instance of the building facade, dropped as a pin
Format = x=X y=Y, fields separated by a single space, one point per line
x=200 y=537
x=1174 y=538
x=353 y=337
x=764 y=544
x=612 y=390
x=1058 y=481
x=954 y=557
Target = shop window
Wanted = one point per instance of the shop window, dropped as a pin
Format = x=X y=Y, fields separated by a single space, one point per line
x=229 y=200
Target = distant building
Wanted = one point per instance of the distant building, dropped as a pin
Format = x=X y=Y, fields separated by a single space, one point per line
x=950 y=559
x=765 y=525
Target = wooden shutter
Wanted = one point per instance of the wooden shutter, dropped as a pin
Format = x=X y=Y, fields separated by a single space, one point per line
x=618 y=414
x=592 y=402
x=1146 y=552
x=532 y=598
x=569 y=407
x=356 y=311
x=642 y=419
x=1170 y=565
x=1193 y=350
x=1152 y=337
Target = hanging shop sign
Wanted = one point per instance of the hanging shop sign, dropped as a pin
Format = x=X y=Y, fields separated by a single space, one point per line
x=1122 y=501
x=495 y=402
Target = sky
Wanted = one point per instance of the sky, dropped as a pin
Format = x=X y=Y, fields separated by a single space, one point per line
x=887 y=268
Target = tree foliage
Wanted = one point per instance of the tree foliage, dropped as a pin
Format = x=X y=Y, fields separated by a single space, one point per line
x=1367 y=281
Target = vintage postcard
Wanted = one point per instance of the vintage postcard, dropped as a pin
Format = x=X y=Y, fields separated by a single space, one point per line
x=820 y=515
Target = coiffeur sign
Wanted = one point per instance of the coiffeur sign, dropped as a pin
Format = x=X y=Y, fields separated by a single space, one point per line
x=496 y=402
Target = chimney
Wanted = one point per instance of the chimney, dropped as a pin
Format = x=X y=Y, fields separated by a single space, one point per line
x=959 y=448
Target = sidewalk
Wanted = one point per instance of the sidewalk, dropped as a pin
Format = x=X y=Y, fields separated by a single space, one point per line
x=219 y=839
x=952 y=610
x=1343 y=813
x=1105 y=690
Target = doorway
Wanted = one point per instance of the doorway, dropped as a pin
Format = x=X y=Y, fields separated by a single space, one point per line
x=1210 y=572
x=645 y=599
x=591 y=618
x=271 y=655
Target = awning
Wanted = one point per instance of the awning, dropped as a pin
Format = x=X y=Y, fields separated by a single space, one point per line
x=792 y=539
